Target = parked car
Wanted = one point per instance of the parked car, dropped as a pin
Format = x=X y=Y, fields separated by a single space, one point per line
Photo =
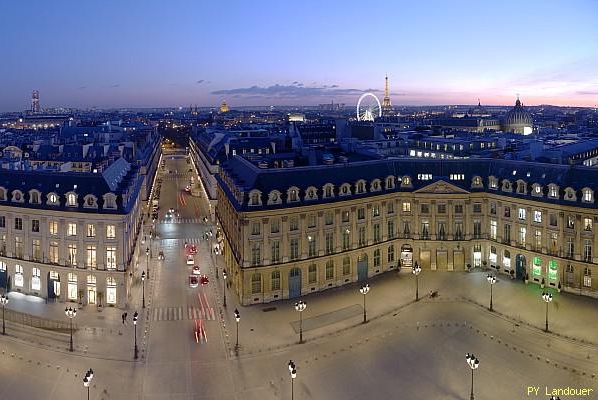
x=161 y=255
x=193 y=281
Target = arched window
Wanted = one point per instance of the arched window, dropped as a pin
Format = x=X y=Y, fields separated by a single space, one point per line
x=256 y=283
x=275 y=279
x=71 y=199
x=329 y=269
x=346 y=265
x=312 y=273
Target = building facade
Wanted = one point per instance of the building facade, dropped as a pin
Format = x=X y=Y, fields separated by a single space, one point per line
x=287 y=232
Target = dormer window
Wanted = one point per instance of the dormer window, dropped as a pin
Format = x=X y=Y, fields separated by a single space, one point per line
x=71 y=199
x=328 y=191
x=293 y=194
x=17 y=196
x=588 y=195
x=521 y=187
x=553 y=191
x=360 y=187
x=311 y=193
x=254 y=198
x=390 y=182
x=376 y=187
x=570 y=194
x=477 y=181
x=506 y=186
x=492 y=182
x=2 y=194
x=90 y=201
x=110 y=201
x=406 y=181
x=274 y=197
x=34 y=197
x=345 y=189
x=53 y=199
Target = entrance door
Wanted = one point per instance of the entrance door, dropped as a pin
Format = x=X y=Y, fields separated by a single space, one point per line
x=362 y=267
x=458 y=260
x=91 y=295
x=520 y=266
x=53 y=286
x=442 y=259
x=294 y=283
x=3 y=275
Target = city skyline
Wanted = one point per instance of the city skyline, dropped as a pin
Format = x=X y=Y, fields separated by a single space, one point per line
x=145 y=54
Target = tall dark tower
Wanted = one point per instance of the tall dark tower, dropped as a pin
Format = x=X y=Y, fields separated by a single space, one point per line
x=386 y=105
x=35 y=102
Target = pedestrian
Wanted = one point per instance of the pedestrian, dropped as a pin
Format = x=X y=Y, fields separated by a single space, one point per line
x=123 y=317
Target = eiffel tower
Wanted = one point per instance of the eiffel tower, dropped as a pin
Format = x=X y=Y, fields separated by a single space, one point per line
x=386 y=105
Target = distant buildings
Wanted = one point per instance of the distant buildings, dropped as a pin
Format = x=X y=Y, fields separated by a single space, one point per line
x=71 y=209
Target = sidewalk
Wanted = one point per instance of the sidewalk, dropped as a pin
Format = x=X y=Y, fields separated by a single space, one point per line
x=265 y=327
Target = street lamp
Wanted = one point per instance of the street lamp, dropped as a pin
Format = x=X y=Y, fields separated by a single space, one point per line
x=300 y=306
x=237 y=318
x=143 y=289
x=473 y=363
x=87 y=380
x=224 y=276
x=491 y=280
x=293 y=372
x=364 y=289
x=547 y=297
x=71 y=312
x=147 y=252
x=416 y=271
x=135 y=318
x=4 y=302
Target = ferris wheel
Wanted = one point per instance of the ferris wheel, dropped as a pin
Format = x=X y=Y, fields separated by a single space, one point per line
x=368 y=107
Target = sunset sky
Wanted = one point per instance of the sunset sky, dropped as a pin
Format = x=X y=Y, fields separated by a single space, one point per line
x=145 y=53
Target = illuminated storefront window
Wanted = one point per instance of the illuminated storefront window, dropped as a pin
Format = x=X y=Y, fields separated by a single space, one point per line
x=537 y=266
x=18 y=275
x=35 y=279
x=72 y=286
x=552 y=270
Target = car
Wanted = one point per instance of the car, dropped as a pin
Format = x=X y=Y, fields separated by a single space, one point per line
x=195 y=270
x=191 y=248
x=190 y=260
x=161 y=255
x=193 y=281
x=187 y=188
x=171 y=210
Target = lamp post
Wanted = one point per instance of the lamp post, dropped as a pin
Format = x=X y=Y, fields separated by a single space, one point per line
x=491 y=280
x=547 y=297
x=4 y=302
x=293 y=372
x=147 y=253
x=135 y=318
x=237 y=319
x=300 y=306
x=416 y=271
x=143 y=289
x=70 y=313
x=224 y=276
x=87 y=380
x=364 y=289
x=473 y=363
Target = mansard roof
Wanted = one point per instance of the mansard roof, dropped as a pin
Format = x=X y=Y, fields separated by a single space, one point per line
x=422 y=172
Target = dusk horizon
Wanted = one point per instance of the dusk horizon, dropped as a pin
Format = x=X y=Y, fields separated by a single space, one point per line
x=147 y=55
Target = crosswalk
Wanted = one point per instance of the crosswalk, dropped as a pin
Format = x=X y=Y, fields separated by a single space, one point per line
x=182 y=313
x=183 y=241
x=180 y=221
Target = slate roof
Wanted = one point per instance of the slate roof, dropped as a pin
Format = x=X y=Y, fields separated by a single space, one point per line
x=249 y=176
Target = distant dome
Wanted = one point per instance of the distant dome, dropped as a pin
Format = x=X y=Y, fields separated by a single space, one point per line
x=518 y=120
x=478 y=111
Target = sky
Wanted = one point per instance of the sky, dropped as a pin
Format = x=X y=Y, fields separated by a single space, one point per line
x=146 y=53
